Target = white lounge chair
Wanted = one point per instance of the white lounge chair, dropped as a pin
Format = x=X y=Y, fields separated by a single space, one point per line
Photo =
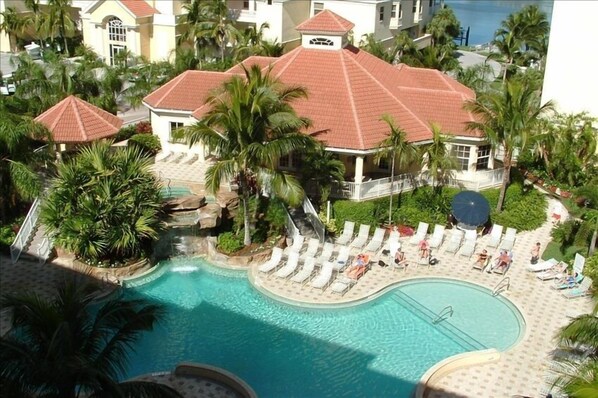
x=296 y=246
x=341 y=260
x=437 y=236
x=582 y=290
x=271 y=264
x=555 y=272
x=312 y=248
x=579 y=263
x=422 y=230
x=509 y=239
x=341 y=286
x=469 y=243
x=324 y=277
x=289 y=268
x=326 y=253
x=376 y=241
x=542 y=265
x=305 y=272
x=454 y=241
x=495 y=235
x=362 y=236
x=347 y=234
x=392 y=243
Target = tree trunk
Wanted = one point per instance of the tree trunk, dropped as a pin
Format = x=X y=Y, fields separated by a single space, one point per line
x=392 y=181
x=505 y=179
x=593 y=240
x=246 y=220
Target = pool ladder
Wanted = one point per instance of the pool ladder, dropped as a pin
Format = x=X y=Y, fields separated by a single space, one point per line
x=446 y=313
x=505 y=283
x=168 y=182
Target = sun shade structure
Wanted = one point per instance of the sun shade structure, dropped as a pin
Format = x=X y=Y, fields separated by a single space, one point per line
x=470 y=208
x=74 y=121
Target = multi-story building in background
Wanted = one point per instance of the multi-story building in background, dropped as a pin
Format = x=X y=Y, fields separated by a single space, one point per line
x=150 y=27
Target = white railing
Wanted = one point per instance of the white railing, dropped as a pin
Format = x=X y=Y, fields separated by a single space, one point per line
x=314 y=219
x=292 y=230
x=44 y=249
x=406 y=182
x=25 y=231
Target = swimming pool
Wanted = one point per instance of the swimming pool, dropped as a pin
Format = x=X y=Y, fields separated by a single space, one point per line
x=174 y=192
x=380 y=348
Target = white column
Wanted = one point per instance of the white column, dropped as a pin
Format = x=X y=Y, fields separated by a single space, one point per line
x=359 y=169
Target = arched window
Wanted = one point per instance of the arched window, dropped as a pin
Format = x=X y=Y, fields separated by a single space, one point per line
x=116 y=30
x=321 y=41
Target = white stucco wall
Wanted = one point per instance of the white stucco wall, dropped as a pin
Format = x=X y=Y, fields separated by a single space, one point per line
x=161 y=127
x=570 y=79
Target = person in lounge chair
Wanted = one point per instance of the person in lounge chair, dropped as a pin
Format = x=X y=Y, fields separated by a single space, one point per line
x=503 y=260
x=424 y=249
x=535 y=252
x=400 y=258
x=359 y=266
x=482 y=258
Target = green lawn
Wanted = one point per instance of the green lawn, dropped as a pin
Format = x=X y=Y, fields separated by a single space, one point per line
x=553 y=250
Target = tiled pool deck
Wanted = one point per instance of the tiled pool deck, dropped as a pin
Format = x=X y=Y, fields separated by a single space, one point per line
x=520 y=371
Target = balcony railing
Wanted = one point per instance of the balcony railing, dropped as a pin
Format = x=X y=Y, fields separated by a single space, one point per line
x=406 y=182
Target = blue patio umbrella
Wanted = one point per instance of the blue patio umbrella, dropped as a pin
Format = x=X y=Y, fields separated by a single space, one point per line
x=470 y=208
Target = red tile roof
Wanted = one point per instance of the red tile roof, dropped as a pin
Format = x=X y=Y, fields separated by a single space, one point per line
x=73 y=120
x=326 y=21
x=139 y=8
x=348 y=92
x=186 y=92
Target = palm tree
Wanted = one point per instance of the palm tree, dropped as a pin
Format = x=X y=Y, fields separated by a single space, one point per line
x=375 y=47
x=508 y=118
x=38 y=20
x=443 y=27
x=436 y=158
x=393 y=147
x=579 y=378
x=217 y=25
x=18 y=179
x=322 y=169
x=196 y=15
x=59 y=15
x=250 y=42
x=14 y=24
x=509 y=49
x=104 y=206
x=249 y=125
x=476 y=77
x=66 y=346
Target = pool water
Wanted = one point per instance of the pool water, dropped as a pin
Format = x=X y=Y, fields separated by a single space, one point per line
x=376 y=349
x=174 y=192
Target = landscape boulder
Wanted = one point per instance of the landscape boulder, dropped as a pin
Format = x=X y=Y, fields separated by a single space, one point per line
x=210 y=216
x=189 y=202
x=230 y=202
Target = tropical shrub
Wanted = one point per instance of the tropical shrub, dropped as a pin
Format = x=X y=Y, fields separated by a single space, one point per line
x=591 y=269
x=359 y=212
x=229 y=243
x=8 y=233
x=104 y=205
x=143 y=127
x=125 y=133
x=148 y=143
x=524 y=209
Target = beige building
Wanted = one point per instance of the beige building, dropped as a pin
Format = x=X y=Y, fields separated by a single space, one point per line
x=572 y=61
x=150 y=27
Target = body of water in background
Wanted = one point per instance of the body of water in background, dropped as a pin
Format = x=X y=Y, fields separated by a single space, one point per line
x=484 y=16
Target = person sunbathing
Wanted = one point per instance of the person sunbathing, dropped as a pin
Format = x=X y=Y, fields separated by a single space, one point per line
x=482 y=258
x=503 y=260
x=359 y=266
x=400 y=258
x=424 y=249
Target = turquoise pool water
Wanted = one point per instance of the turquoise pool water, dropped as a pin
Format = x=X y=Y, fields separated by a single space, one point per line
x=376 y=349
x=174 y=192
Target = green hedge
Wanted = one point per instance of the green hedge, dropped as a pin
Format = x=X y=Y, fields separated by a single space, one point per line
x=525 y=209
x=149 y=144
x=229 y=243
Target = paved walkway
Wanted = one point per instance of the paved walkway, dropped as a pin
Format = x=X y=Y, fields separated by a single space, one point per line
x=521 y=369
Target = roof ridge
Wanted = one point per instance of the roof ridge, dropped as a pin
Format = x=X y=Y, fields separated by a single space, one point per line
x=295 y=53
x=75 y=105
x=90 y=108
x=443 y=78
x=175 y=83
x=351 y=99
x=415 y=116
x=61 y=111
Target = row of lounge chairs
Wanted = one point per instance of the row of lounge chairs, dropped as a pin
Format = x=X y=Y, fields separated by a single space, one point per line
x=575 y=285
x=361 y=240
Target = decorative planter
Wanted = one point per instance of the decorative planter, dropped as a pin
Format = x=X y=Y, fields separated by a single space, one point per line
x=99 y=273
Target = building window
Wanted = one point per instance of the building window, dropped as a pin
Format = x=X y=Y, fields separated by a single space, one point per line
x=461 y=154
x=414 y=6
x=318 y=7
x=296 y=160
x=483 y=157
x=381 y=15
x=400 y=11
x=431 y=3
x=436 y=2
x=383 y=164
x=393 y=11
x=246 y=4
x=174 y=138
x=269 y=2
x=421 y=6
x=321 y=41
x=116 y=30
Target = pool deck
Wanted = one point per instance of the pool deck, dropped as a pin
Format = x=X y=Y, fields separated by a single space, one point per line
x=520 y=370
